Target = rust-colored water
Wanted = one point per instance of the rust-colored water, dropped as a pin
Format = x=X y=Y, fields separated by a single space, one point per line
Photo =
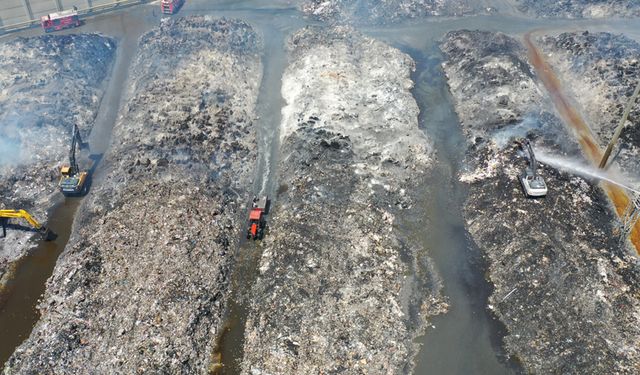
x=582 y=131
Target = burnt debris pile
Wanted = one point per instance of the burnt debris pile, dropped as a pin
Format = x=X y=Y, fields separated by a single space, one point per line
x=601 y=71
x=47 y=84
x=332 y=292
x=580 y=8
x=564 y=288
x=380 y=11
x=142 y=284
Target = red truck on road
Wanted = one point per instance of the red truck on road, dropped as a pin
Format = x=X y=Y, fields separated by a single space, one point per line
x=61 y=20
x=170 y=6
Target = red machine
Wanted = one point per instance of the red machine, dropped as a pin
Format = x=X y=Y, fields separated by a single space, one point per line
x=61 y=20
x=171 y=6
x=257 y=222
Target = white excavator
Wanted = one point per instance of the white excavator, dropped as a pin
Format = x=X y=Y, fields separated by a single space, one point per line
x=532 y=183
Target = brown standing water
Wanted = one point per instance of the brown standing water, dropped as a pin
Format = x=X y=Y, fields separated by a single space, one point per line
x=18 y=302
x=581 y=130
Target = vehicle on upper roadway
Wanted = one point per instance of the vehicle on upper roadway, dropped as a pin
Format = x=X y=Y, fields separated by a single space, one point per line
x=61 y=20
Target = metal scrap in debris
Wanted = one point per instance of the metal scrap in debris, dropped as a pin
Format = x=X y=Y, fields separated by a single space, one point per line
x=508 y=294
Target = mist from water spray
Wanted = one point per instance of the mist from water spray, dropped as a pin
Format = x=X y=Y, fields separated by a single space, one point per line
x=575 y=166
x=9 y=151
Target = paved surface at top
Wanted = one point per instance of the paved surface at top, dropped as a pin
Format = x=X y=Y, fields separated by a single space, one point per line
x=16 y=11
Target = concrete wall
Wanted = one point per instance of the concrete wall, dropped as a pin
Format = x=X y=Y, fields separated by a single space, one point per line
x=16 y=11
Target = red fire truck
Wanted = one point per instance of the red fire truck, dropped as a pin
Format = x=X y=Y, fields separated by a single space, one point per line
x=61 y=20
x=257 y=221
x=170 y=6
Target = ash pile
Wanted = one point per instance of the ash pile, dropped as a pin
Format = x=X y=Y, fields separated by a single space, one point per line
x=332 y=294
x=47 y=84
x=141 y=287
x=381 y=12
x=564 y=287
x=580 y=8
x=601 y=71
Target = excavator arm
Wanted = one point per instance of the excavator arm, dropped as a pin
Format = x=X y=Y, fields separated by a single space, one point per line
x=532 y=158
x=20 y=214
x=5 y=215
x=76 y=141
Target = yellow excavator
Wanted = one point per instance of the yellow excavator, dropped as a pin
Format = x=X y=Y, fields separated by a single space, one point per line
x=5 y=215
x=73 y=181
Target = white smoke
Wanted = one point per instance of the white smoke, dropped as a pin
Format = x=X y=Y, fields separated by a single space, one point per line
x=9 y=151
x=15 y=132
x=506 y=135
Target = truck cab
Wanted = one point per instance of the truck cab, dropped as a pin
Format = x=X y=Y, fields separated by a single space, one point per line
x=170 y=6
x=257 y=221
x=61 y=20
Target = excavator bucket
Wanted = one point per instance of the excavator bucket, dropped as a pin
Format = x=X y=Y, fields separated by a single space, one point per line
x=47 y=234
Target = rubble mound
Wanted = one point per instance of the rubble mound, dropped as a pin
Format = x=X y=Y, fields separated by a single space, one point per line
x=601 y=71
x=332 y=294
x=366 y=97
x=580 y=8
x=47 y=84
x=382 y=11
x=142 y=284
x=482 y=61
x=565 y=286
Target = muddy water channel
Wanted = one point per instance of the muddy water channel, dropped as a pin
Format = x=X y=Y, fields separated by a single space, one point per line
x=18 y=311
x=465 y=340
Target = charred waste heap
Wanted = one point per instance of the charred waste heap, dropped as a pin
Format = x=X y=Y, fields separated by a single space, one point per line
x=601 y=70
x=565 y=289
x=384 y=11
x=580 y=8
x=47 y=84
x=142 y=284
x=332 y=293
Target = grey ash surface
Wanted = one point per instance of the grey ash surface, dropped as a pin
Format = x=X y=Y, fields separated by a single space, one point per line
x=382 y=11
x=47 y=84
x=581 y=8
x=333 y=292
x=564 y=287
x=141 y=287
x=601 y=71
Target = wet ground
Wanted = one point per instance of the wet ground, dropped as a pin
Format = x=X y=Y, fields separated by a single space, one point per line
x=18 y=311
x=465 y=340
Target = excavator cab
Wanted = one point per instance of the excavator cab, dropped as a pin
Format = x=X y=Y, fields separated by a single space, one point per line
x=73 y=182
